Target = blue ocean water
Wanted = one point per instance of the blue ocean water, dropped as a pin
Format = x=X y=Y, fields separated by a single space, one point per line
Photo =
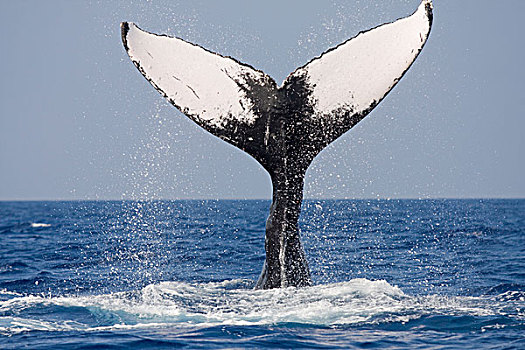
x=164 y=274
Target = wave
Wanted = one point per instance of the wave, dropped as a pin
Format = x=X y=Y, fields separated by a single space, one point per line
x=39 y=224
x=359 y=302
x=23 y=227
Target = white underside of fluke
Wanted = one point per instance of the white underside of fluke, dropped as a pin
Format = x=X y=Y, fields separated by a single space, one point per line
x=199 y=82
x=352 y=77
x=360 y=72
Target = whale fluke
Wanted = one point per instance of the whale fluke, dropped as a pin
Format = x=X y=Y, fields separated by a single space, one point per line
x=283 y=127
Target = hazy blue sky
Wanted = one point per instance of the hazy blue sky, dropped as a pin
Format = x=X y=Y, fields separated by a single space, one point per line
x=78 y=121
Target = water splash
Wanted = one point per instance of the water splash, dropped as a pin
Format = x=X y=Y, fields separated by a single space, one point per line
x=358 y=302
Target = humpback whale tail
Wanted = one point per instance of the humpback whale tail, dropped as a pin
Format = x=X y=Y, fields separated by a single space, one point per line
x=283 y=127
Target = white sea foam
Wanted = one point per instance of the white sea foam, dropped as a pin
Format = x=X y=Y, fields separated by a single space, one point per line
x=168 y=304
x=8 y=292
x=37 y=224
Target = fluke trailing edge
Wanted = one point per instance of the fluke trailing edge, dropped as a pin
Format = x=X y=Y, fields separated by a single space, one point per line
x=283 y=127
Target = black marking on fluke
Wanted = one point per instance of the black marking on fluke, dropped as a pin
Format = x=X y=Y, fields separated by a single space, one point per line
x=284 y=140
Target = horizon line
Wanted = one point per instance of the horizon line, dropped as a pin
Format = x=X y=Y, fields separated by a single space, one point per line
x=251 y=199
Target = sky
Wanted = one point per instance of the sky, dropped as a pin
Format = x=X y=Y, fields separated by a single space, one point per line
x=78 y=121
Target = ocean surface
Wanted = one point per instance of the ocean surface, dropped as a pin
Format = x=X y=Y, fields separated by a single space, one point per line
x=163 y=274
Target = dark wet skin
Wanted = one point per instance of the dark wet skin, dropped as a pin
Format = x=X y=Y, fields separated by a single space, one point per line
x=286 y=135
